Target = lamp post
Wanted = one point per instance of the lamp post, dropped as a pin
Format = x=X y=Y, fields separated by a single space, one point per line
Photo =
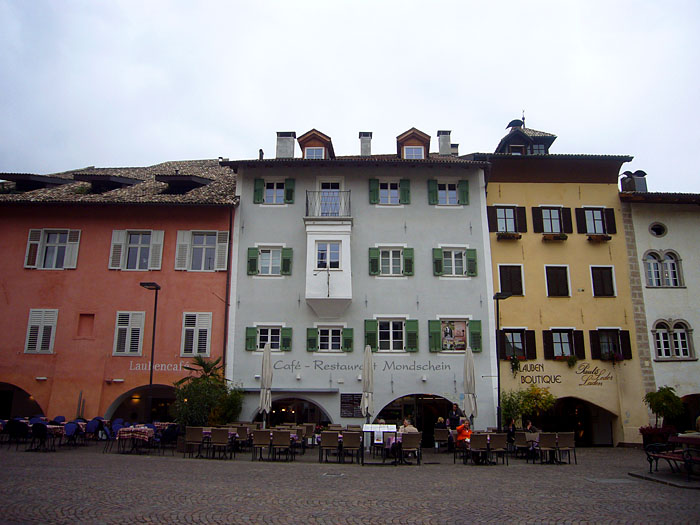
x=499 y=296
x=154 y=287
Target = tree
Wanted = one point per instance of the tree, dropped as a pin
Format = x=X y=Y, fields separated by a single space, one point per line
x=664 y=402
x=537 y=400
x=511 y=405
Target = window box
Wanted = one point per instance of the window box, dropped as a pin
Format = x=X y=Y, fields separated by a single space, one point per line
x=561 y=358
x=508 y=236
x=554 y=237
x=599 y=237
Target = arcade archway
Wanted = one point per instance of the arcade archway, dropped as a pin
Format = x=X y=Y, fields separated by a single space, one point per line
x=591 y=424
x=422 y=409
x=295 y=410
x=132 y=405
x=15 y=402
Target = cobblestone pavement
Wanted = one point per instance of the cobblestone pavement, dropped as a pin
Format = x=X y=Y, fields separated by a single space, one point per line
x=85 y=486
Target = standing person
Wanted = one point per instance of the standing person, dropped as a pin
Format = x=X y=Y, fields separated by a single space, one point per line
x=454 y=415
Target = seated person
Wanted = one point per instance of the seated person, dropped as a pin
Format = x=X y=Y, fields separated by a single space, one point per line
x=407 y=427
x=440 y=423
x=464 y=433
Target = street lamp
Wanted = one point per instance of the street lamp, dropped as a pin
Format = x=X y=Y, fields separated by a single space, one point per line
x=499 y=296
x=153 y=287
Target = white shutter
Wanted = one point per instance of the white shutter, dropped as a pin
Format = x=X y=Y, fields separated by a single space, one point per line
x=184 y=238
x=156 y=253
x=116 y=251
x=41 y=331
x=189 y=322
x=136 y=339
x=31 y=257
x=128 y=334
x=221 y=251
x=203 y=331
x=196 y=330
x=71 y=260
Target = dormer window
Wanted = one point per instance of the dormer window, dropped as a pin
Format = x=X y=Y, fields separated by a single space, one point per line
x=413 y=152
x=538 y=149
x=314 y=153
x=516 y=149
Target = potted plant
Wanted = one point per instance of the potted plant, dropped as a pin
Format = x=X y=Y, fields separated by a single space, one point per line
x=514 y=364
x=663 y=403
x=572 y=360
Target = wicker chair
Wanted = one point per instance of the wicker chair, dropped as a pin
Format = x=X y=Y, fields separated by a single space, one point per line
x=261 y=441
x=220 y=442
x=282 y=443
x=547 y=444
x=567 y=443
x=478 y=448
x=410 y=443
x=442 y=435
x=352 y=446
x=498 y=446
x=329 y=443
x=194 y=436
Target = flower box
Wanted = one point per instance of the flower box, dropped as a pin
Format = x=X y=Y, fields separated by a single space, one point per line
x=561 y=358
x=508 y=236
x=554 y=237
x=599 y=237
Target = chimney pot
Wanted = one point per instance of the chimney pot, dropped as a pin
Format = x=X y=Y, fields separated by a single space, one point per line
x=285 y=144
x=455 y=149
x=365 y=143
x=444 y=143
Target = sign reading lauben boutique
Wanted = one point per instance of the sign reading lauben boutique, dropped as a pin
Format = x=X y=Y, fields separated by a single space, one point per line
x=535 y=374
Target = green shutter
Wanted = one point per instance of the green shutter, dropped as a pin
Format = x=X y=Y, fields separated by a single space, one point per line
x=371 y=328
x=408 y=261
x=347 y=339
x=312 y=339
x=435 y=336
x=475 y=335
x=471 y=262
x=286 y=261
x=463 y=191
x=374 y=191
x=374 y=261
x=259 y=191
x=286 y=336
x=432 y=192
x=437 y=261
x=411 y=335
x=252 y=261
x=251 y=338
x=289 y=191
x=405 y=191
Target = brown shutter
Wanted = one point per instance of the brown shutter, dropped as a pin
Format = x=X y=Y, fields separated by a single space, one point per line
x=581 y=220
x=493 y=221
x=501 y=343
x=597 y=282
x=595 y=344
x=530 y=346
x=625 y=344
x=537 y=225
x=521 y=219
x=566 y=220
x=579 y=347
x=517 y=280
x=504 y=277
x=548 y=344
x=610 y=226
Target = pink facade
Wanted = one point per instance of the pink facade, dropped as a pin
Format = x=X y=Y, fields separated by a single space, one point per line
x=82 y=363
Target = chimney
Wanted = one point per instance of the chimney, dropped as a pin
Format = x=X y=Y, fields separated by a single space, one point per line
x=454 y=149
x=444 y=144
x=285 y=144
x=365 y=143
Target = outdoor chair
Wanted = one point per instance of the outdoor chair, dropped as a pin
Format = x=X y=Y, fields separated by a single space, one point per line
x=479 y=449
x=242 y=439
x=300 y=443
x=40 y=438
x=354 y=428
x=521 y=444
x=111 y=434
x=168 y=438
x=310 y=431
x=92 y=429
x=547 y=444
x=18 y=432
x=498 y=446
x=261 y=441
x=460 y=449
x=567 y=443
x=220 y=442
x=442 y=435
x=72 y=432
x=410 y=443
x=194 y=437
x=352 y=446
x=282 y=443
x=59 y=419
x=388 y=438
x=329 y=443
x=335 y=426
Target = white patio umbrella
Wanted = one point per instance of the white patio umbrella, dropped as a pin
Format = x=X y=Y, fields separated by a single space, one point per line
x=367 y=403
x=469 y=385
x=265 y=404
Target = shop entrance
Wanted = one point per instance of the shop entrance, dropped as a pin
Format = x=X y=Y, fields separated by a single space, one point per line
x=295 y=410
x=15 y=402
x=422 y=409
x=132 y=405
x=591 y=424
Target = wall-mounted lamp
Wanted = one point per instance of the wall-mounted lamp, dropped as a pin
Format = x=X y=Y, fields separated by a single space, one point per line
x=117 y=380
x=424 y=378
x=298 y=377
x=359 y=377
x=257 y=376
x=41 y=378
x=341 y=381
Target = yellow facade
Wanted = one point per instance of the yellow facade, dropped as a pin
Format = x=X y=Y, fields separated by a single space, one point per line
x=615 y=388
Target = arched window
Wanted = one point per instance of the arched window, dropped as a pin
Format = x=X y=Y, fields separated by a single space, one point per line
x=671 y=271
x=681 y=345
x=663 y=340
x=653 y=269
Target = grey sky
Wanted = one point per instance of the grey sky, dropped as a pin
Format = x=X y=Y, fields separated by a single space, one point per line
x=125 y=83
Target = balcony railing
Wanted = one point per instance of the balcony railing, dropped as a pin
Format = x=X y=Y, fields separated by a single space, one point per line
x=328 y=203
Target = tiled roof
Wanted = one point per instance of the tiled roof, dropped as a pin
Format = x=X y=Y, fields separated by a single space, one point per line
x=489 y=156
x=359 y=160
x=220 y=191
x=660 y=198
x=535 y=133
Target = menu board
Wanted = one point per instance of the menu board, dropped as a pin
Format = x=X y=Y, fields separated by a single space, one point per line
x=350 y=405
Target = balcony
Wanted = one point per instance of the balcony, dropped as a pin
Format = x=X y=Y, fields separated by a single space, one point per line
x=328 y=203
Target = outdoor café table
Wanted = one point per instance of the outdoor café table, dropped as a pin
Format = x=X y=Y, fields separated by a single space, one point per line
x=137 y=435
x=160 y=426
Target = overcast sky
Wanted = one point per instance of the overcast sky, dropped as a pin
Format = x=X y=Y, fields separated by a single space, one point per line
x=134 y=83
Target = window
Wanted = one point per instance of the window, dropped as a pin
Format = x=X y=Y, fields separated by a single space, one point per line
x=672 y=340
x=330 y=199
x=507 y=219
x=329 y=339
x=269 y=336
x=201 y=251
x=538 y=149
x=511 y=279
x=391 y=261
x=53 y=249
x=41 y=331
x=128 y=333
x=136 y=250
x=657 y=229
x=663 y=270
x=652 y=264
x=389 y=192
x=595 y=221
x=196 y=330
x=413 y=152
x=557 y=281
x=562 y=343
x=278 y=337
x=610 y=344
x=273 y=191
x=603 y=283
x=392 y=335
x=314 y=153
x=455 y=262
x=551 y=220
x=448 y=193
x=270 y=261
x=516 y=342
x=327 y=255
x=671 y=274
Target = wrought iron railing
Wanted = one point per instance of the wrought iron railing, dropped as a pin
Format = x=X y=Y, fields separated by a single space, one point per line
x=328 y=203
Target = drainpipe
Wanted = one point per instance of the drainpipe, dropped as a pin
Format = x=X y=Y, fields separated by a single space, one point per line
x=227 y=294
